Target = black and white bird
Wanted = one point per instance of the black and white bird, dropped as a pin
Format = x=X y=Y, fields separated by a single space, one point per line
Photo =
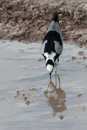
x=52 y=45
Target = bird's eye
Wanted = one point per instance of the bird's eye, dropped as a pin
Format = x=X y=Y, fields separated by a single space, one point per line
x=44 y=56
x=54 y=58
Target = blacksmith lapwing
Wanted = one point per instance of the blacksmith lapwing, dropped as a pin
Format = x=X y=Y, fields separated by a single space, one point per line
x=52 y=45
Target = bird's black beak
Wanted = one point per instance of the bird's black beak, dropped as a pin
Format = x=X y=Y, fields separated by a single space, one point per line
x=50 y=76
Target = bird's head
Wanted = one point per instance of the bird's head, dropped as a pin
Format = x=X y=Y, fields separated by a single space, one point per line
x=50 y=66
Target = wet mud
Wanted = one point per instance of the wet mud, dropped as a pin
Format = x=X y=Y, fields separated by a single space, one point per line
x=28 y=20
x=23 y=95
x=30 y=100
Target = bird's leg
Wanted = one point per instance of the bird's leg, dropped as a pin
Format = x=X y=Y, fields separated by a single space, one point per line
x=50 y=76
x=56 y=65
x=59 y=80
x=56 y=73
x=55 y=79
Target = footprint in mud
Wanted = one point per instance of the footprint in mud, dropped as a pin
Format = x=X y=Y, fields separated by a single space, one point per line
x=73 y=58
x=79 y=95
x=23 y=95
x=81 y=53
x=84 y=58
x=56 y=97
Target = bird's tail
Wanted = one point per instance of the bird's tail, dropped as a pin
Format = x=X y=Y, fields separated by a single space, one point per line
x=54 y=26
x=55 y=18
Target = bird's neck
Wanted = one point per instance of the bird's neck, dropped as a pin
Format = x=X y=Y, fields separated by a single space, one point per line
x=50 y=56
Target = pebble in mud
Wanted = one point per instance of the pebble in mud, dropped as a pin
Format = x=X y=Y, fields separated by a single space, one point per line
x=84 y=57
x=79 y=95
x=3 y=41
x=27 y=102
x=23 y=94
x=83 y=109
x=61 y=117
x=34 y=89
x=81 y=53
x=73 y=58
x=22 y=90
x=18 y=93
x=25 y=98
x=15 y=96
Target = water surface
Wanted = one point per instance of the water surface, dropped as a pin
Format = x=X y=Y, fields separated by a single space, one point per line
x=28 y=100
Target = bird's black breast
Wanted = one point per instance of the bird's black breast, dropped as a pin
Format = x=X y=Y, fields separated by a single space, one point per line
x=51 y=36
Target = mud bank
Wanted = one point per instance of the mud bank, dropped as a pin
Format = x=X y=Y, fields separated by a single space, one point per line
x=28 y=20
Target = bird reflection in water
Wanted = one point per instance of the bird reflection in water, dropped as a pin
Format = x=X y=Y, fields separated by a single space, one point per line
x=56 y=97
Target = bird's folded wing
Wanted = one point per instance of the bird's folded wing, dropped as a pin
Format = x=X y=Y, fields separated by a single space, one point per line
x=43 y=46
x=58 y=47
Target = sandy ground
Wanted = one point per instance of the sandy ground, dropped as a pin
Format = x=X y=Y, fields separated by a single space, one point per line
x=28 y=20
x=28 y=100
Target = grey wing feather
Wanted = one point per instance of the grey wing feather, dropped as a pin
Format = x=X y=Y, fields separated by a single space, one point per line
x=54 y=26
x=58 y=47
x=43 y=46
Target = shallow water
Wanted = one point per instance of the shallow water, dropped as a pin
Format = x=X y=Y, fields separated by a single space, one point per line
x=28 y=100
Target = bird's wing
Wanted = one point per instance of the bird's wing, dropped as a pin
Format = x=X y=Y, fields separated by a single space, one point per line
x=58 y=47
x=43 y=46
x=54 y=26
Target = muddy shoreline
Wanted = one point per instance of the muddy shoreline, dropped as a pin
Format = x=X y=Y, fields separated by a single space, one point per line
x=28 y=20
